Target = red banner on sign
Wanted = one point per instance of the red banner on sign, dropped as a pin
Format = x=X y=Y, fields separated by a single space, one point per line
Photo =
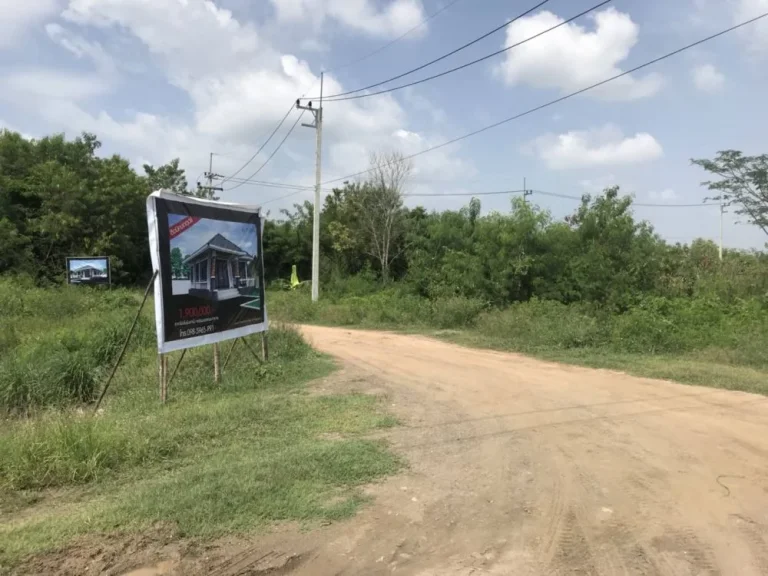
x=182 y=225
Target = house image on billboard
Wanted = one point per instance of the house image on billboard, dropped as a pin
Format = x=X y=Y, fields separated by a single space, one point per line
x=87 y=272
x=221 y=270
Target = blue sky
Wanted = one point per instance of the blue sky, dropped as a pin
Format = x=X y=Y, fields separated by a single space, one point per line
x=243 y=235
x=101 y=264
x=167 y=78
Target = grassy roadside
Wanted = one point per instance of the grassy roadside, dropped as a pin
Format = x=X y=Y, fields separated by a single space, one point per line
x=698 y=342
x=701 y=369
x=216 y=460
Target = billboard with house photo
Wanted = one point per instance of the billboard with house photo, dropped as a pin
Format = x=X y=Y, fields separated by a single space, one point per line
x=88 y=270
x=210 y=285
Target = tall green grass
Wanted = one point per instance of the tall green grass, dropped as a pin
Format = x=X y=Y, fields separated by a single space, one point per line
x=216 y=459
x=735 y=332
x=58 y=342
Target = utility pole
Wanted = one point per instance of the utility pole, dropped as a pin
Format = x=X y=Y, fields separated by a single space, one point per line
x=318 y=126
x=526 y=192
x=207 y=191
x=722 y=211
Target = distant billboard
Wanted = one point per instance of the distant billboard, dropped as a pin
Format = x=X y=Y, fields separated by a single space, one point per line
x=210 y=276
x=88 y=270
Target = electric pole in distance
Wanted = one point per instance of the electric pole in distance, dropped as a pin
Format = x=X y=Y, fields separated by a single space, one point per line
x=318 y=126
x=526 y=192
x=207 y=191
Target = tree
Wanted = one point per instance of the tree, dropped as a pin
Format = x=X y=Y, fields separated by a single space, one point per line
x=177 y=263
x=379 y=203
x=744 y=183
x=167 y=177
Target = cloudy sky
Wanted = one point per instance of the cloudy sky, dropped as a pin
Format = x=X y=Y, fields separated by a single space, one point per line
x=189 y=241
x=158 y=79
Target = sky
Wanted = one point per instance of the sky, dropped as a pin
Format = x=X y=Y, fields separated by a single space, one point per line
x=159 y=79
x=189 y=241
x=101 y=264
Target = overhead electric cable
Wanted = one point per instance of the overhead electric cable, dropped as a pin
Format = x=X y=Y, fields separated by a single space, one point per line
x=562 y=98
x=443 y=57
x=270 y=156
x=260 y=147
x=639 y=204
x=394 y=41
x=369 y=55
x=473 y=62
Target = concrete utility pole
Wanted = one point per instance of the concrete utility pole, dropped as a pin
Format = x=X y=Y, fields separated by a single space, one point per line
x=318 y=126
x=526 y=192
x=722 y=211
x=210 y=176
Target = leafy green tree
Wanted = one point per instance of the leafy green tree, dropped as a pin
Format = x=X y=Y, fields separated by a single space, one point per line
x=59 y=199
x=743 y=182
x=167 y=177
x=177 y=263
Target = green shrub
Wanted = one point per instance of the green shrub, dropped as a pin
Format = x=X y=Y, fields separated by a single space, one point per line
x=543 y=324
x=455 y=311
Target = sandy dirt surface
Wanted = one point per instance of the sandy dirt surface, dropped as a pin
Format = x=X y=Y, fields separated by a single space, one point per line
x=522 y=467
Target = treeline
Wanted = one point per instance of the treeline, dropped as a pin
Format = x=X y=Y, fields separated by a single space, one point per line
x=59 y=198
x=599 y=254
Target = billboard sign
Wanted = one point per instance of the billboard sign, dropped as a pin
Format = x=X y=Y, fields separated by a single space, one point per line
x=210 y=274
x=89 y=271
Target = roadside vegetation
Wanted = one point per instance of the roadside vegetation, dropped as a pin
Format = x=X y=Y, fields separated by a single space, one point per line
x=598 y=288
x=275 y=451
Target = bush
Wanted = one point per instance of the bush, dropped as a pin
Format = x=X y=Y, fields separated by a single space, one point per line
x=543 y=324
x=455 y=312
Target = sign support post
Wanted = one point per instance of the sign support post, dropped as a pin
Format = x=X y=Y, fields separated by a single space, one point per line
x=127 y=339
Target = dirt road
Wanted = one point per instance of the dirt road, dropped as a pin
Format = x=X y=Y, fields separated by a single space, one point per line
x=525 y=468
x=521 y=467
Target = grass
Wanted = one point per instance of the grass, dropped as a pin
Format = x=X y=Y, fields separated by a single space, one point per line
x=699 y=341
x=215 y=460
x=690 y=368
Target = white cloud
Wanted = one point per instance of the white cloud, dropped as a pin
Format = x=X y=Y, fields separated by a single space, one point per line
x=756 y=33
x=80 y=47
x=398 y=17
x=606 y=146
x=237 y=87
x=16 y=16
x=572 y=57
x=665 y=195
x=49 y=84
x=707 y=78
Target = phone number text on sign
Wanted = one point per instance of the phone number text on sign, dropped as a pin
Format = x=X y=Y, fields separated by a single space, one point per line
x=196 y=331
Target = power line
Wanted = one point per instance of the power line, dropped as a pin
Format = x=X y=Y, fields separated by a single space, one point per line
x=429 y=17
x=261 y=147
x=562 y=98
x=444 y=56
x=634 y=204
x=270 y=156
x=391 y=42
x=450 y=194
x=266 y=184
x=473 y=62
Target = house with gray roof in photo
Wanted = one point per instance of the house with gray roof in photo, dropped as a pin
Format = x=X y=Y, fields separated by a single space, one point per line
x=221 y=270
